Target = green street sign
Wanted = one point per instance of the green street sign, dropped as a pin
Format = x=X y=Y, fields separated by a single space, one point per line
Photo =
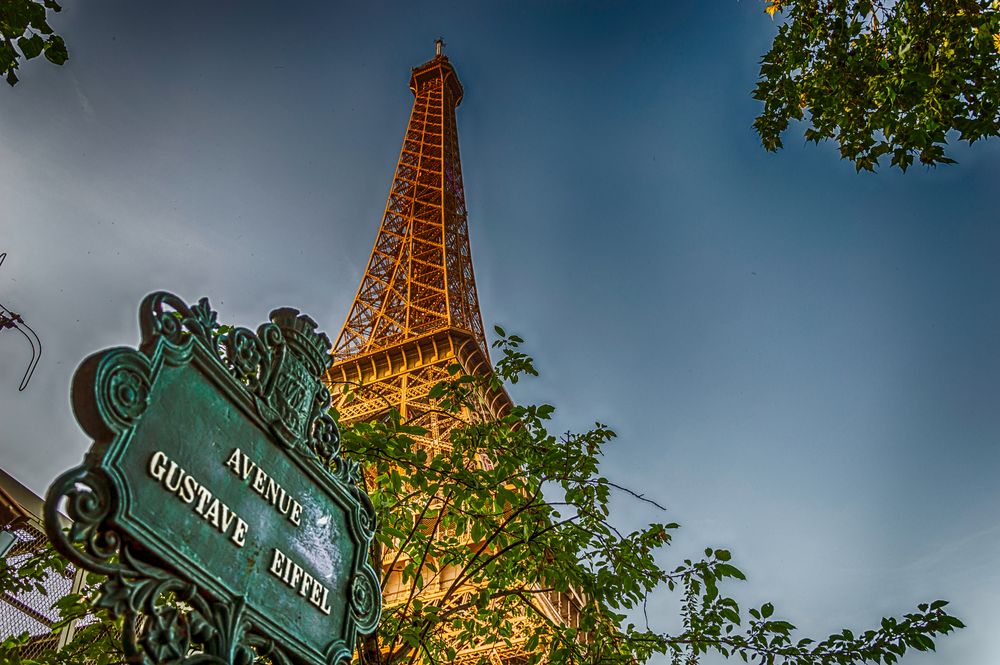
x=214 y=480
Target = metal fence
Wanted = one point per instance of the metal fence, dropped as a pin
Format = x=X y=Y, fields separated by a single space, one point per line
x=31 y=611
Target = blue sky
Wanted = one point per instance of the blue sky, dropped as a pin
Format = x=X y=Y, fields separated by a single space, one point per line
x=802 y=362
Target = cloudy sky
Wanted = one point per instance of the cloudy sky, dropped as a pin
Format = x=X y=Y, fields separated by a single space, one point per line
x=801 y=362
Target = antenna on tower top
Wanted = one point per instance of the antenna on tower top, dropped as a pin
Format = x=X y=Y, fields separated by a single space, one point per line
x=438 y=45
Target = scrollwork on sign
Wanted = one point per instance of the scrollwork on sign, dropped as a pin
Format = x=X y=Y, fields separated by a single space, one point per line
x=325 y=439
x=280 y=365
x=154 y=632
x=124 y=386
x=88 y=503
x=169 y=615
x=173 y=324
x=365 y=600
x=247 y=358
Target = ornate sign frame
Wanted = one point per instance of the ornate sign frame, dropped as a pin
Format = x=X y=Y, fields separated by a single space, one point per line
x=203 y=391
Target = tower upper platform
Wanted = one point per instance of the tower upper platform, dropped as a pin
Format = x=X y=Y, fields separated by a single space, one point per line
x=437 y=69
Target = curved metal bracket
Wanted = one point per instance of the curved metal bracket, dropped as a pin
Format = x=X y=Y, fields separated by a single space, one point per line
x=10 y=319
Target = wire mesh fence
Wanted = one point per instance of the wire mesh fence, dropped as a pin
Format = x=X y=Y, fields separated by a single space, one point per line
x=31 y=611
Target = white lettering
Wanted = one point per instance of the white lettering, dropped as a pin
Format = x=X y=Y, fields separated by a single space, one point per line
x=203 y=497
x=300 y=581
x=258 y=481
x=248 y=467
x=175 y=480
x=272 y=491
x=267 y=487
x=188 y=489
x=234 y=460
x=212 y=514
x=277 y=562
x=240 y=532
x=157 y=465
x=227 y=518
x=175 y=472
x=307 y=582
x=324 y=606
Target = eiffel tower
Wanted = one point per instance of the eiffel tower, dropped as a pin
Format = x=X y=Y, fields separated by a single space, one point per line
x=416 y=311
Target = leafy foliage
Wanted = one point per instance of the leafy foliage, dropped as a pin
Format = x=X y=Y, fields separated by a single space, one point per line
x=480 y=537
x=483 y=533
x=94 y=641
x=893 y=78
x=25 y=32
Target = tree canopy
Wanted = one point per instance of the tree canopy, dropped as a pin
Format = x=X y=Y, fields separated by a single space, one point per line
x=25 y=32
x=475 y=537
x=882 y=78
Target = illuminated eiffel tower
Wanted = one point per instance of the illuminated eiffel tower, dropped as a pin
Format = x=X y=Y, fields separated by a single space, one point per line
x=416 y=311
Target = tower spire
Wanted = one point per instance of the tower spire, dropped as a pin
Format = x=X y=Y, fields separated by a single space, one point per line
x=417 y=298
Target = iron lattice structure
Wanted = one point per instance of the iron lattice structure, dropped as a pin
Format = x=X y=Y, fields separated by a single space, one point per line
x=416 y=311
x=419 y=277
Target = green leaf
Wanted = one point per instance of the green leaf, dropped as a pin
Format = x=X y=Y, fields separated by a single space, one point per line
x=55 y=50
x=730 y=615
x=31 y=46
x=728 y=570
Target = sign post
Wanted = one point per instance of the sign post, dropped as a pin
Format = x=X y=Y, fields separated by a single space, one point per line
x=215 y=479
